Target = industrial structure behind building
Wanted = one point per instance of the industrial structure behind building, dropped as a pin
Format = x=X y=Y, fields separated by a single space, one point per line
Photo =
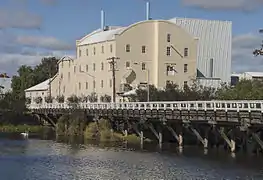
x=153 y=52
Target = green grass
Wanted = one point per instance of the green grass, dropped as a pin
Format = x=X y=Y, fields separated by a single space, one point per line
x=22 y=128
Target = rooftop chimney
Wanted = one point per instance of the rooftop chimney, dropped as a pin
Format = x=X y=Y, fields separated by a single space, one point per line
x=147 y=10
x=102 y=20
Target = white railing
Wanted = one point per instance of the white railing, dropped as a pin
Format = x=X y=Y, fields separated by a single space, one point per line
x=246 y=105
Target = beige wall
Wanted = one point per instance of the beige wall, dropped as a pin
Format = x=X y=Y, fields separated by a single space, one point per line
x=34 y=94
x=152 y=35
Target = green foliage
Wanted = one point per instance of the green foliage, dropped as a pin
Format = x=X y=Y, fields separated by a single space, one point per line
x=73 y=99
x=28 y=100
x=60 y=99
x=93 y=97
x=105 y=98
x=49 y=99
x=38 y=100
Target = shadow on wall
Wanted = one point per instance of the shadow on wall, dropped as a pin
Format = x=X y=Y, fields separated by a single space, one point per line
x=199 y=73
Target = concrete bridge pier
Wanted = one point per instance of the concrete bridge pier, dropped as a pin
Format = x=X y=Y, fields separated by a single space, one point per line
x=158 y=133
x=138 y=128
x=179 y=136
x=258 y=136
x=46 y=119
x=204 y=139
x=229 y=141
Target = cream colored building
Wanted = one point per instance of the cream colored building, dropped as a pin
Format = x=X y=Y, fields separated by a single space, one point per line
x=39 y=90
x=154 y=50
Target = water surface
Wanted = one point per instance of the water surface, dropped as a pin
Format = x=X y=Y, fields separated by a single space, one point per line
x=48 y=160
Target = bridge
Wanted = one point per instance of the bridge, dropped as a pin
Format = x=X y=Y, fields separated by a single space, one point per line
x=232 y=123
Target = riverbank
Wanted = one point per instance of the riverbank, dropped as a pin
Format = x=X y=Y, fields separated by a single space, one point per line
x=23 y=128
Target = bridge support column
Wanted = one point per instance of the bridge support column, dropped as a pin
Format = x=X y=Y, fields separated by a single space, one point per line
x=139 y=131
x=158 y=135
x=178 y=137
x=204 y=140
x=258 y=139
x=231 y=142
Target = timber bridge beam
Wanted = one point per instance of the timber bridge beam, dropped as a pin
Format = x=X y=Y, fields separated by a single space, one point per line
x=208 y=121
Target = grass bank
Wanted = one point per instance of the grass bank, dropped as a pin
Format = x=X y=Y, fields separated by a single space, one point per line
x=101 y=131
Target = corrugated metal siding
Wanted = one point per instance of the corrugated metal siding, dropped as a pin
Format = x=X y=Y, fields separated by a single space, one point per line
x=215 y=41
x=216 y=83
x=6 y=83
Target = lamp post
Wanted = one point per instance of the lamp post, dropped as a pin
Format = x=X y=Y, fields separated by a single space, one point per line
x=148 y=82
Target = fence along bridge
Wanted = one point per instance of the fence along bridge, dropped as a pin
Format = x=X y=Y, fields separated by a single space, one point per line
x=234 y=122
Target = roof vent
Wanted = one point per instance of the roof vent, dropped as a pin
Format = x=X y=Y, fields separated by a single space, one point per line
x=106 y=28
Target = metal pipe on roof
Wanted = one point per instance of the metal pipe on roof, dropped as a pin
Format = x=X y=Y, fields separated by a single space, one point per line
x=147 y=10
x=102 y=20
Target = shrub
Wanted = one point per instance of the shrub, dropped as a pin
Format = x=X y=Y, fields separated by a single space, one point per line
x=73 y=99
x=60 y=99
x=93 y=97
x=38 y=100
x=105 y=98
x=49 y=99
x=28 y=100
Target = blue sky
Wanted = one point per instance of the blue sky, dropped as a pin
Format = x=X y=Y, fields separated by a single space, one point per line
x=31 y=29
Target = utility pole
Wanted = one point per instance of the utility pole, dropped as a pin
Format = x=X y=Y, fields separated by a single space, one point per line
x=112 y=62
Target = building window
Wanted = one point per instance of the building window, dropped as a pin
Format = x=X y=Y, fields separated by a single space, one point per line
x=79 y=68
x=127 y=64
x=168 y=37
x=168 y=51
x=143 y=66
x=87 y=52
x=79 y=53
x=185 y=84
x=79 y=86
x=171 y=69
x=128 y=48
x=102 y=66
x=111 y=48
x=110 y=82
x=74 y=69
x=64 y=89
x=68 y=75
x=62 y=64
x=102 y=49
x=101 y=84
x=94 y=50
x=87 y=68
x=143 y=49
x=185 y=68
x=94 y=67
x=68 y=63
x=61 y=76
x=94 y=84
x=185 y=52
x=87 y=85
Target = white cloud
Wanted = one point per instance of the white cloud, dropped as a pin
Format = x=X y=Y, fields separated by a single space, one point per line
x=242 y=53
x=44 y=42
x=14 y=18
x=245 y=5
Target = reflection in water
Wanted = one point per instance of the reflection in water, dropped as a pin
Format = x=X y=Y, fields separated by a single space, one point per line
x=43 y=159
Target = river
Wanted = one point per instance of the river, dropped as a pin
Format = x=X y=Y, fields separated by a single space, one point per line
x=35 y=159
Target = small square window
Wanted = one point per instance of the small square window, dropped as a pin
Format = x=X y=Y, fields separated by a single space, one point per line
x=168 y=51
x=127 y=64
x=168 y=37
x=128 y=48
x=143 y=66
x=94 y=84
x=185 y=52
x=102 y=66
x=111 y=48
x=185 y=68
x=94 y=50
x=94 y=67
x=143 y=49
x=185 y=84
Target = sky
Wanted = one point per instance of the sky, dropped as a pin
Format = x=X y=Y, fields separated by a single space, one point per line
x=32 y=29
